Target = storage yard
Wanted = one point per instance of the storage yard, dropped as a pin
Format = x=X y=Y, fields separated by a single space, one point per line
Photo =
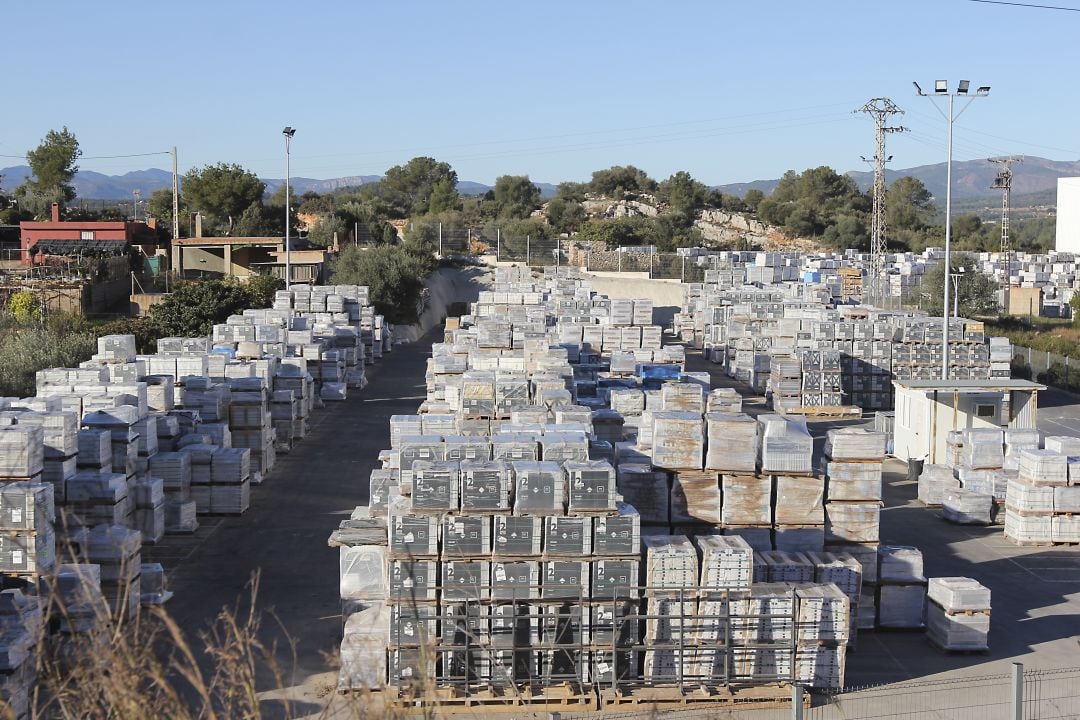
x=552 y=505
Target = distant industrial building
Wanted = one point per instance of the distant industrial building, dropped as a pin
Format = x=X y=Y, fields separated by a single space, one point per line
x=1068 y=215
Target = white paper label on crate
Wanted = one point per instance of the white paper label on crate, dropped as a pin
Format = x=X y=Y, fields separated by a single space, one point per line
x=500 y=573
x=16 y=515
x=16 y=557
x=409 y=537
x=408 y=582
x=603 y=667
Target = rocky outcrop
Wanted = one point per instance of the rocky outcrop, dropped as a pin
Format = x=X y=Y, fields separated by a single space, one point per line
x=647 y=206
x=725 y=228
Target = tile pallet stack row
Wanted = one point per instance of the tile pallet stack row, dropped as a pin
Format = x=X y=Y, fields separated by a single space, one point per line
x=745 y=329
x=420 y=463
x=853 y=478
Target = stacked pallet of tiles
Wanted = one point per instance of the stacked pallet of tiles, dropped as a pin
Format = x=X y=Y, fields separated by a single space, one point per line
x=853 y=477
x=935 y=481
x=250 y=423
x=673 y=654
x=983 y=479
x=179 y=507
x=958 y=614
x=21 y=623
x=1040 y=498
x=117 y=551
x=821 y=381
x=786 y=382
x=901 y=590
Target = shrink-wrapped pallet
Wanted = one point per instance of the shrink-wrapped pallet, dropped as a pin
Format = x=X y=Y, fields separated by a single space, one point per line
x=22 y=451
x=967 y=507
x=678 y=440
x=983 y=449
x=900 y=563
x=800 y=500
x=765 y=614
x=671 y=562
x=462 y=448
x=363 y=649
x=590 y=486
x=539 y=488
x=840 y=569
x=958 y=594
x=852 y=522
x=859 y=481
x=1067 y=499
x=723 y=400
x=466 y=536
x=732 y=443
x=727 y=562
x=957 y=631
x=436 y=486
x=821 y=666
x=562 y=447
x=646 y=489
x=514 y=446
x=855 y=444
x=1063 y=444
x=1043 y=467
x=902 y=606
x=682 y=397
x=783 y=566
x=1028 y=528
x=786 y=445
x=934 y=482
x=757 y=537
x=485 y=486
x=747 y=500
x=362 y=572
x=799 y=538
x=1065 y=528
x=695 y=497
x=618 y=534
x=1028 y=498
x=517 y=536
x=824 y=613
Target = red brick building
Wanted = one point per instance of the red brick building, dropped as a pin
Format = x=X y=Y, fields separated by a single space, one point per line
x=80 y=237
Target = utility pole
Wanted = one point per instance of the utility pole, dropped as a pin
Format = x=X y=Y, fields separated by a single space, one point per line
x=1003 y=182
x=175 y=198
x=881 y=109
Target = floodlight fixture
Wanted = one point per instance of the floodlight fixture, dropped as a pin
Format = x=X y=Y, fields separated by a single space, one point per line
x=941 y=86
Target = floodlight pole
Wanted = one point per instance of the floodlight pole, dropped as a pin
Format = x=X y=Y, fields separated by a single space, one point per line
x=288 y=132
x=941 y=88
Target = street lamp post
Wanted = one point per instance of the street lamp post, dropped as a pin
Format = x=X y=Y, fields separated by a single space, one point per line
x=288 y=132
x=135 y=195
x=941 y=89
x=956 y=290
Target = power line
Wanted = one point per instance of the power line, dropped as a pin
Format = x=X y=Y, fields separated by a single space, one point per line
x=1026 y=5
x=103 y=157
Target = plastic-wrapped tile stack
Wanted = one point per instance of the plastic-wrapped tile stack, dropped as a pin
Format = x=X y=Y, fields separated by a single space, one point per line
x=958 y=614
x=786 y=445
x=934 y=482
x=901 y=587
x=1033 y=499
x=853 y=474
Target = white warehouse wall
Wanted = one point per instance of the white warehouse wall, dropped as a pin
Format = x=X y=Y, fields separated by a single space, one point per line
x=1068 y=215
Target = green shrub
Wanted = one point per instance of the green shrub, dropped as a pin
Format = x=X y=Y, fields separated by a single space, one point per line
x=25 y=307
x=394 y=276
x=25 y=350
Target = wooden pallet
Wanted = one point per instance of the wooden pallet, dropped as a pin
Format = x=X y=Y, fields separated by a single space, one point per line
x=830 y=411
x=448 y=700
x=956 y=651
x=1035 y=543
x=771 y=696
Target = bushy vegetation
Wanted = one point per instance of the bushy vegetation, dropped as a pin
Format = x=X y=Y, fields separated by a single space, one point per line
x=394 y=276
x=973 y=291
x=25 y=349
x=194 y=308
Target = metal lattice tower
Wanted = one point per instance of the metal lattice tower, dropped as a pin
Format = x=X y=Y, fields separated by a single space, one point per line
x=1003 y=182
x=881 y=109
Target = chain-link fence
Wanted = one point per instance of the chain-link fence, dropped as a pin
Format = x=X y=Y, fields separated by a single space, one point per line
x=1046 y=367
x=529 y=250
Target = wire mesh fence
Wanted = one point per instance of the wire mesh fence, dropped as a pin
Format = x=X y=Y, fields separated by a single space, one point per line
x=1046 y=367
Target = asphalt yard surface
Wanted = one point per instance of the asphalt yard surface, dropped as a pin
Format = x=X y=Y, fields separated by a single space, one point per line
x=282 y=537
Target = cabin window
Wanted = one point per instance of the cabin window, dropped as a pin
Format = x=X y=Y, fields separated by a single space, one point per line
x=86 y=234
x=985 y=411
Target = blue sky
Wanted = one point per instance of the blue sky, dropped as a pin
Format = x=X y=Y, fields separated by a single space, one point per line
x=730 y=91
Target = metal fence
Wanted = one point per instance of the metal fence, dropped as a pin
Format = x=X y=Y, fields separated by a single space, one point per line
x=1046 y=367
x=1017 y=695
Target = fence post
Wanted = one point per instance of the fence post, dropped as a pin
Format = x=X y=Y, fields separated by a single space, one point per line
x=682 y=271
x=620 y=259
x=440 y=240
x=1017 y=691
x=796 y=702
x=650 y=262
x=498 y=244
x=1067 y=372
x=528 y=250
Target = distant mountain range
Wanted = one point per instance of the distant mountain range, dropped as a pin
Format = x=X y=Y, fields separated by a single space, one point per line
x=972 y=181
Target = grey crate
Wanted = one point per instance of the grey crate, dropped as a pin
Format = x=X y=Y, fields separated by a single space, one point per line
x=515 y=580
x=618 y=535
x=565 y=579
x=485 y=486
x=413 y=623
x=615 y=579
x=466 y=580
x=517 y=535
x=414 y=535
x=466 y=536
x=413 y=580
x=568 y=536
